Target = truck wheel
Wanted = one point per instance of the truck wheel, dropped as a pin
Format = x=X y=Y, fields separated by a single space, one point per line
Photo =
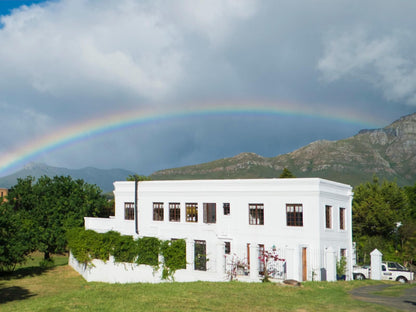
x=401 y=279
x=359 y=276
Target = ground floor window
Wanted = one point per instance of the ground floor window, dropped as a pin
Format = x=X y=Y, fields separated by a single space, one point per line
x=226 y=208
x=227 y=248
x=129 y=211
x=200 y=252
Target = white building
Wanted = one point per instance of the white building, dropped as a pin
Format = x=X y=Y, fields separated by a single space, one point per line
x=306 y=221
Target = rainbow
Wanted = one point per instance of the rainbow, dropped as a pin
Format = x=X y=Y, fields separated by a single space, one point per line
x=115 y=122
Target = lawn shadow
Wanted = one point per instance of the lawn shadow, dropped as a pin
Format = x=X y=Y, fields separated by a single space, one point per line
x=24 y=272
x=14 y=293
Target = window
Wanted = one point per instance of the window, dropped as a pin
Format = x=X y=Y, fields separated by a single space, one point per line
x=328 y=212
x=294 y=214
x=342 y=218
x=174 y=212
x=200 y=253
x=343 y=252
x=157 y=211
x=129 y=211
x=256 y=214
x=226 y=207
x=210 y=212
x=227 y=248
x=191 y=212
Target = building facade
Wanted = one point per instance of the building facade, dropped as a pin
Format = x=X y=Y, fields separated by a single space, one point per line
x=306 y=222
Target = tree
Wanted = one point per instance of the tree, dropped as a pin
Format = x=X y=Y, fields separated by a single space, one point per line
x=378 y=210
x=15 y=238
x=136 y=177
x=55 y=205
x=286 y=174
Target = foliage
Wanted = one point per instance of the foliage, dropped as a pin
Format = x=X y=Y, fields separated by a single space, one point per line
x=341 y=266
x=15 y=239
x=148 y=251
x=286 y=174
x=269 y=258
x=124 y=249
x=54 y=205
x=136 y=177
x=174 y=255
x=383 y=218
x=87 y=245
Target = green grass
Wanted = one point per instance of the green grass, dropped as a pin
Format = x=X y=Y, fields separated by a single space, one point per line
x=62 y=289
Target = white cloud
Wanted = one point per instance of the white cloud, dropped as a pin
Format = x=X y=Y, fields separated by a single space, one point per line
x=383 y=61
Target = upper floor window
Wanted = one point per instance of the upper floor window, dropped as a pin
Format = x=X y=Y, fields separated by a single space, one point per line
x=328 y=217
x=342 y=218
x=191 y=212
x=157 y=211
x=256 y=214
x=129 y=211
x=210 y=213
x=174 y=212
x=294 y=214
x=226 y=208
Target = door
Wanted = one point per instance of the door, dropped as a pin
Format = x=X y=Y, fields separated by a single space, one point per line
x=304 y=265
x=200 y=253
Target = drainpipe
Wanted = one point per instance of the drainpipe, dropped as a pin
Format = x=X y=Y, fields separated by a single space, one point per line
x=136 y=219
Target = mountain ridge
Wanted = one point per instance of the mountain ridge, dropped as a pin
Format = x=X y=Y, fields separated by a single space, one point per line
x=388 y=152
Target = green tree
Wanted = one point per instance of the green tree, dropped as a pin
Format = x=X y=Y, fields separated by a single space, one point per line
x=55 y=205
x=286 y=174
x=378 y=211
x=136 y=177
x=15 y=239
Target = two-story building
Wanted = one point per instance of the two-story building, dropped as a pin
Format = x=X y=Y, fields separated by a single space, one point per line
x=306 y=221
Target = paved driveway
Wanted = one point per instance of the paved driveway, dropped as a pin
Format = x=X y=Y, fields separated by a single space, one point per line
x=406 y=302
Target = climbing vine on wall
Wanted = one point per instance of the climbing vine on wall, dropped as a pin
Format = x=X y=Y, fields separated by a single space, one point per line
x=174 y=255
x=87 y=245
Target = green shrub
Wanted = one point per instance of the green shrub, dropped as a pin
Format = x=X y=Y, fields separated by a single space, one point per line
x=174 y=254
x=148 y=249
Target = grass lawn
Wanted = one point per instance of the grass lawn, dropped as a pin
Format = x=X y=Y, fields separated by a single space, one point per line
x=62 y=289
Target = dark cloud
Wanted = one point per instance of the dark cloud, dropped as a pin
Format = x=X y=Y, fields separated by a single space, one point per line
x=63 y=62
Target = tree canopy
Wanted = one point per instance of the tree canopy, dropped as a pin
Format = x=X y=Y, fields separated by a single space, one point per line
x=53 y=205
x=286 y=174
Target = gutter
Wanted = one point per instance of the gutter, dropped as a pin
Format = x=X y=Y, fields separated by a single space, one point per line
x=136 y=216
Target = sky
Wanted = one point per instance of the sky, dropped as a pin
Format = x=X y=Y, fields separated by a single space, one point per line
x=146 y=85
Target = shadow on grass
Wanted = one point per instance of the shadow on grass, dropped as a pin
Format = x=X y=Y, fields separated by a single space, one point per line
x=24 y=272
x=14 y=293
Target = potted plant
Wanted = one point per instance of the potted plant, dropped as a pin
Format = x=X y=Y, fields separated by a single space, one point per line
x=341 y=268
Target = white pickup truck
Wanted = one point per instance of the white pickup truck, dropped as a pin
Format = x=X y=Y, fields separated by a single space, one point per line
x=391 y=271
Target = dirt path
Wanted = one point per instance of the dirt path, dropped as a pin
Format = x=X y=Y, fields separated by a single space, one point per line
x=406 y=302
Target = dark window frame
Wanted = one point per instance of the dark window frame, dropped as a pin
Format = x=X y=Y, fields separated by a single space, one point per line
x=191 y=212
x=226 y=209
x=158 y=211
x=294 y=215
x=227 y=248
x=256 y=214
x=174 y=212
x=128 y=211
x=210 y=212
x=342 y=218
x=328 y=216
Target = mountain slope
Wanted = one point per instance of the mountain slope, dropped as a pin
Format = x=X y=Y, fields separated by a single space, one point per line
x=103 y=178
x=389 y=152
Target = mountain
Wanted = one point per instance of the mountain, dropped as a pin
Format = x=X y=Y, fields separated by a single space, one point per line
x=389 y=152
x=103 y=178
